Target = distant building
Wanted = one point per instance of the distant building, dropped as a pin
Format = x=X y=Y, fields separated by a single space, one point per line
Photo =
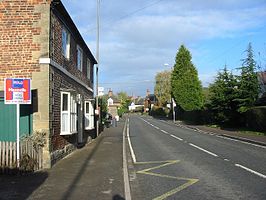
x=150 y=101
x=112 y=104
x=137 y=104
x=39 y=40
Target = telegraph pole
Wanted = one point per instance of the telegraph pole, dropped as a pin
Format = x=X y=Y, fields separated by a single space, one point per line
x=97 y=66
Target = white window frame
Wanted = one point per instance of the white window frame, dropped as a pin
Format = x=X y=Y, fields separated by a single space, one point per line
x=89 y=115
x=79 y=58
x=65 y=43
x=68 y=122
x=88 y=69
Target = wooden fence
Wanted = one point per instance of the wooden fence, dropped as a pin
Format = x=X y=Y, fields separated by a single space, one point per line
x=29 y=155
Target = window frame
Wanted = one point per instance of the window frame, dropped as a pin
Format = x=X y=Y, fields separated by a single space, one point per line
x=79 y=57
x=89 y=116
x=88 y=69
x=65 y=43
x=71 y=114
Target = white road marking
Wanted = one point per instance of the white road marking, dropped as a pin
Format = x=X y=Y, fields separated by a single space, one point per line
x=130 y=146
x=176 y=137
x=226 y=159
x=250 y=170
x=156 y=127
x=164 y=131
x=125 y=169
x=213 y=154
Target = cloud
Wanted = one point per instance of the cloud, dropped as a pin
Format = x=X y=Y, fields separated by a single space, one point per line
x=137 y=39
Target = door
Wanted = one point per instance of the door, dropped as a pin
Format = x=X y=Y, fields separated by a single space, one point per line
x=89 y=115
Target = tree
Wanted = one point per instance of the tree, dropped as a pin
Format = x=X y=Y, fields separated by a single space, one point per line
x=125 y=102
x=222 y=97
x=248 y=82
x=186 y=86
x=162 y=89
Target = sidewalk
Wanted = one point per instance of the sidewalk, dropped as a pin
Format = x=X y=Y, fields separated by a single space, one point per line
x=255 y=139
x=93 y=172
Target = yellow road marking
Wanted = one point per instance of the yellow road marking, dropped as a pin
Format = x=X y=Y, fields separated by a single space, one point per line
x=189 y=181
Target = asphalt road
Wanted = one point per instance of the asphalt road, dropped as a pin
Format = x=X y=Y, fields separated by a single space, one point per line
x=171 y=162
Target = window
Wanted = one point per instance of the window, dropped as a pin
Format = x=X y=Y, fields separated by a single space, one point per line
x=68 y=114
x=65 y=43
x=88 y=69
x=79 y=58
x=89 y=115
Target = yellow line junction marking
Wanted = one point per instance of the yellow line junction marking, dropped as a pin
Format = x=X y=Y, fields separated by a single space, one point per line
x=148 y=171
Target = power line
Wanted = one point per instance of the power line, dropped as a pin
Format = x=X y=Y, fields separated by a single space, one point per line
x=127 y=15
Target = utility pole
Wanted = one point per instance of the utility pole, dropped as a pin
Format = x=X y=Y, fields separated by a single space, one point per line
x=97 y=66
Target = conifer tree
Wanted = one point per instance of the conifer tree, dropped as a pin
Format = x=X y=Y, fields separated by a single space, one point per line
x=248 y=82
x=186 y=86
x=222 y=96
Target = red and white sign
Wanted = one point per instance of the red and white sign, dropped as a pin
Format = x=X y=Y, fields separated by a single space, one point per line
x=17 y=91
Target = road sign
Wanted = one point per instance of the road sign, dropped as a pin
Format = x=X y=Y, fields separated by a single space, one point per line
x=17 y=91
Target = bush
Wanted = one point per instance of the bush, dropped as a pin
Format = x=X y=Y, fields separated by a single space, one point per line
x=256 y=118
x=159 y=111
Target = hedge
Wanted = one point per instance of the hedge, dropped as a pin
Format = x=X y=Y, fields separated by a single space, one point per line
x=256 y=118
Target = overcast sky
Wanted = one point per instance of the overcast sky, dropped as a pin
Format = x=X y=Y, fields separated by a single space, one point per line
x=137 y=37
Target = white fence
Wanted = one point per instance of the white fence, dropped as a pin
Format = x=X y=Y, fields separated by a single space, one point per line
x=29 y=155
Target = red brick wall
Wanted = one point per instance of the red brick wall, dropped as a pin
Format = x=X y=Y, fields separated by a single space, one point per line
x=18 y=19
x=57 y=56
x=59 y=81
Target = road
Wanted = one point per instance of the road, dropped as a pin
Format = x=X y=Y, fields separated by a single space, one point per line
x=172 y=162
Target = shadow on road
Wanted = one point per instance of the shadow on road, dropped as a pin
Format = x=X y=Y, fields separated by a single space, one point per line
x=20 y=186
x=118 y=197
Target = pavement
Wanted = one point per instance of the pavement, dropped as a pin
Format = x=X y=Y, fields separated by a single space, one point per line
x=92 y=172
x=230 y=133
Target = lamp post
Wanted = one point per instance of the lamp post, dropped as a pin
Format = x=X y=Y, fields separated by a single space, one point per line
x=172 y=99
x=97 y=66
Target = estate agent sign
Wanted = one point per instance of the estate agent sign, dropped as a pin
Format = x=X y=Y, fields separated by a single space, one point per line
x=17 y=91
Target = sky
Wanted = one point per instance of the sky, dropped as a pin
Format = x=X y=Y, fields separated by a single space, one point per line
x=140 y=38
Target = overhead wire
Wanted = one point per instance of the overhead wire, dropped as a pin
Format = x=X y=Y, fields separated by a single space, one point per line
x=127 y=15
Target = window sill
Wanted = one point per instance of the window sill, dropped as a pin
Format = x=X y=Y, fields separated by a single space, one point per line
x=68 y=133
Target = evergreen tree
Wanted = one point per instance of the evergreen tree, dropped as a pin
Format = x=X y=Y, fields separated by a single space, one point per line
x=248 y=82
x=186 y=86
x=222 y=97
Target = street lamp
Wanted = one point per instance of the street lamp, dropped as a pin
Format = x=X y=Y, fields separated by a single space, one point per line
x=172 y=99
x=97 y=66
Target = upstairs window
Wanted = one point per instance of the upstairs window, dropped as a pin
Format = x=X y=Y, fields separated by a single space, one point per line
x=88 y=69
x=79 y=58
x=65 y=43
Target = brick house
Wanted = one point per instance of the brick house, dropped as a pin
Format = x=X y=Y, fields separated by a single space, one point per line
x=39 y=40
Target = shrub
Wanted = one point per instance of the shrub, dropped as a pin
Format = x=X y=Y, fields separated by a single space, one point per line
x=159 y=111
x=256 y=118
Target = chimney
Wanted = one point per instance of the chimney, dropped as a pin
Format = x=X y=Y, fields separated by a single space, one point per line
x=110 y=93
x=147 y=92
